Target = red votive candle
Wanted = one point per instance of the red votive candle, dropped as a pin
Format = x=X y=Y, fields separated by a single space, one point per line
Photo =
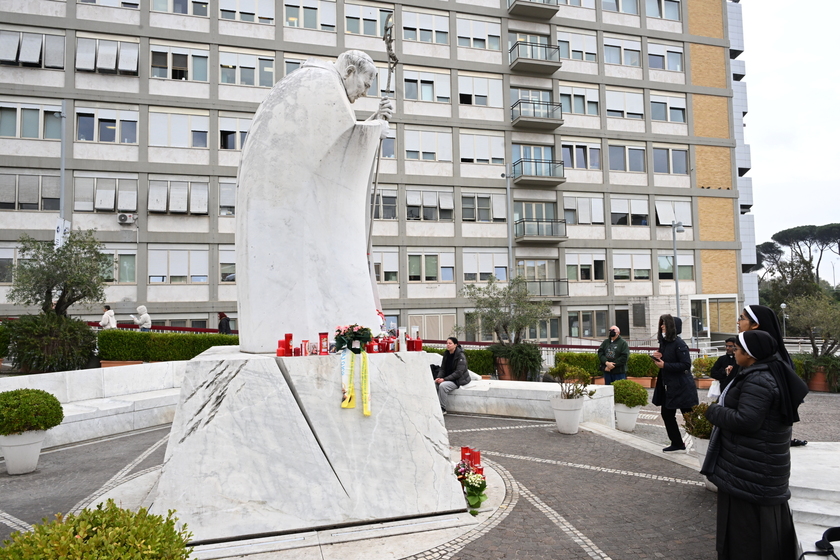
x=478 y=470
x=475 y=456
x=295 y=351
x=465 y=453
x=281 y=351
x=323 y=344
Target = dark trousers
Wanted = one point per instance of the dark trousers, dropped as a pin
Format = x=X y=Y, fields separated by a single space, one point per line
x=669 y=416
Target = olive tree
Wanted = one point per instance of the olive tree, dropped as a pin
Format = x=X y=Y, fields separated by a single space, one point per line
x=817 y=318
x=504 y=309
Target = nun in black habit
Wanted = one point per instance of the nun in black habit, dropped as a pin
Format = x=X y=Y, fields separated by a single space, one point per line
x=749 y=453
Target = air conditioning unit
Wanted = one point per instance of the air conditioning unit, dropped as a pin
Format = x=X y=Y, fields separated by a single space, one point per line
x=126 y=218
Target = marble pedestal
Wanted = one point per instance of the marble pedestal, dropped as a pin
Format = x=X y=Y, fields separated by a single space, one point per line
x=260 y=444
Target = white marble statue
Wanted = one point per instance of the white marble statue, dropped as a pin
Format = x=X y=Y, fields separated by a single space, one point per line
x=303 y=194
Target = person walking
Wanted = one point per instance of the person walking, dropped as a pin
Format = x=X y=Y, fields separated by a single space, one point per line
x=144 y=320
x=453 y=372
x=749 y=453
x=224 y=324
x=726 y=368
x=675 y=388
x=108 y=320
x=613 y=354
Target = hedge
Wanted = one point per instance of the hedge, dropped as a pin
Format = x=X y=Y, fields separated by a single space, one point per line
x=124 y=345
x=479 y=361
x=638 y=365
x=702 y=366
x=641 y=365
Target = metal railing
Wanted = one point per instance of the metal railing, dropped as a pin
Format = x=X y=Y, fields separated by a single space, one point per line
x=539 y=228
x=536 y=109
x=534 y=51
x=546 y=2
x=538 y=168
x=548 y=288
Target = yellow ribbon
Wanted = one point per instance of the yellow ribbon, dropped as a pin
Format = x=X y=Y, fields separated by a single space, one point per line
x=348 y=381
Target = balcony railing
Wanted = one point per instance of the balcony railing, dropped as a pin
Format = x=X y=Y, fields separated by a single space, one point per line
x=546 y=2
x=544 y=9
x=543 y=170
x=548 y=288
x=539 y=228
x=536 y=114
x=534 y=51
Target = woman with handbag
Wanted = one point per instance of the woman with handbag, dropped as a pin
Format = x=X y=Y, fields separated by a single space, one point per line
x=675 y=388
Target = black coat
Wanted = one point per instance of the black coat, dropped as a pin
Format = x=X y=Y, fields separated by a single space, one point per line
x=719 y=370
x=453 y=367
x=675 y=386
x=749 y=452
x=224 y=326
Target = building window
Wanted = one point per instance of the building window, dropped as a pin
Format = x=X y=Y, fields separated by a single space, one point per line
x=227 y=263
x=29 y=192
x=670 y=160
x=667 y=108
x=546 y=332
x=316 y=14
x=534 y=211
x=666 y=9
x=479 y=266
x=587 y=324
x=252 y=11
x=385 y=204
x=629 y=265
x=178 y=130
x=581 y=156
x=31 y=50
x=577 y=46
x=106 y=125
x=426 y=86
x=629 y=211
x=483 y=208
x=425 y=27
x=26 y=120
x=7 y=262
x=380 y=83
x=586 y=267
x=485 y=92
x=386 y=264
x=181 y=7
x=583 y=210
x=627 y=52
x=106 y=57
x=623 y=6
x=365 y=20
x=536 y=270
x=292 y=64
x=179 y=63
x=227 y=196
x=246 y=69
x=430 y=206
x=665 y=57
x=426 y=267
x=122 y=268
x=428 y=145
x=183 y=265
x=627 y=158
x=96 y=193
x=685 y=266
x=181 y=196
x=481 y=148
x=674 y=210
x=479 y=34
x=625 y=105
x=579 y=100
x=233 y=130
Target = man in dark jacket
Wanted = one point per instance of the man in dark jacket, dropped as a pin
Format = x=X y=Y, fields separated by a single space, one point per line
x=453 y=372
x=614 y=353
x=726 y=368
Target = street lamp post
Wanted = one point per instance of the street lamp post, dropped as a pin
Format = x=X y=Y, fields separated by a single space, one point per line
x=784 y=320
x=676 y=227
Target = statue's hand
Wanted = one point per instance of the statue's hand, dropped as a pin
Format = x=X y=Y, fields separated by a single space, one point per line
x=386 y=109
x=386 y=127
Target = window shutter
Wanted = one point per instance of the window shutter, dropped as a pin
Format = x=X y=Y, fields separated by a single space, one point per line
x=127 y=197
x=158 y=197
x=85 y=54
x=83 y=187
x=105 y=194
x=178 y=196
x=30 y=48
x=198 y=198
x=53 y=51
x=107 y=59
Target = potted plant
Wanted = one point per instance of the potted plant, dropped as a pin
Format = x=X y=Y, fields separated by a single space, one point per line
x=629 y=397
x=701 y=367
x=699 y=428
x=568 y=403
x=25 y=416
x=642 y=370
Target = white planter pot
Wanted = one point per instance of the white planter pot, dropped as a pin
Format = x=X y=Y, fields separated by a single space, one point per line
x=567 y=413
x=701 y=447
x=22 y=451
x=625 y=417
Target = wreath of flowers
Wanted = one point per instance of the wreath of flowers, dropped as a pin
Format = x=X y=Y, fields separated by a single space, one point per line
x=346 y=335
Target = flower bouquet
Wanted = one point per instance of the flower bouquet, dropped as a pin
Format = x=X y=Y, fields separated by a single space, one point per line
x=352 y=337
x=474 y=485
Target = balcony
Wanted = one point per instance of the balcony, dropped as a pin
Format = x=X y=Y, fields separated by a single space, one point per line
x=548 y=288
x=536 y=9
x=534 y=58
x=536 y=115
x=539 y=231
x=538 y=173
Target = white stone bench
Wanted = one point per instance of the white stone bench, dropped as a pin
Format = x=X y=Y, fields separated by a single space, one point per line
x=106 y=401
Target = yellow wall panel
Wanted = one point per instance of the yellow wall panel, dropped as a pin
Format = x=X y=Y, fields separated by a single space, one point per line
x=714 y=167
x=720 y=271
x=717 y=218
x=711 y=116
x=708 y=65
x=705 y=17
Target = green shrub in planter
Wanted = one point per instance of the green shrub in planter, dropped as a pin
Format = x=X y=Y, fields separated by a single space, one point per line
x=104 y=533
x=702 y=366
x=629 y=393
x=4 y=340
x=584 y=360
x=572 y=379
x=696 y=424
x=641 y=365
x=124 y=345
x=50 y=342
x=24 y=410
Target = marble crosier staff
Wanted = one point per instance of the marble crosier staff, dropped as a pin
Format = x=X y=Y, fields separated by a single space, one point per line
x=302 y=197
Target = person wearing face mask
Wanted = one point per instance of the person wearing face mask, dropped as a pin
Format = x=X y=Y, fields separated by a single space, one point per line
x=726 y=368
x=453 y=372
x=614 y=353
x=675 y=388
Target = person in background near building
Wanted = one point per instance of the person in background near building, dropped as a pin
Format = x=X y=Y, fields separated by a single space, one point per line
x=224 y=324
x=726 y=368
x=108 y=320
x=749 y=454
x=614 y=353
x=675 y=388
x=453 y=372
x=761 y=318
x=143 y=320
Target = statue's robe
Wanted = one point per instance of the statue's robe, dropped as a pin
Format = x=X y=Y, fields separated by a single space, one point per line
x=302 y=198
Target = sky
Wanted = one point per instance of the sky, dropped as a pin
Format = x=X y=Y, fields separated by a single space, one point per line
x=793 y=87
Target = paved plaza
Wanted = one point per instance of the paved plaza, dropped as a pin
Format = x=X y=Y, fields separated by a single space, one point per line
x=581 y=496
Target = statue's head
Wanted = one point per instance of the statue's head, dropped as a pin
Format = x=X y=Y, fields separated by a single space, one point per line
x=357 y=72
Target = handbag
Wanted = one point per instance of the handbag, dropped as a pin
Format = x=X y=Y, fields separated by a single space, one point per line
x=714 y=390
